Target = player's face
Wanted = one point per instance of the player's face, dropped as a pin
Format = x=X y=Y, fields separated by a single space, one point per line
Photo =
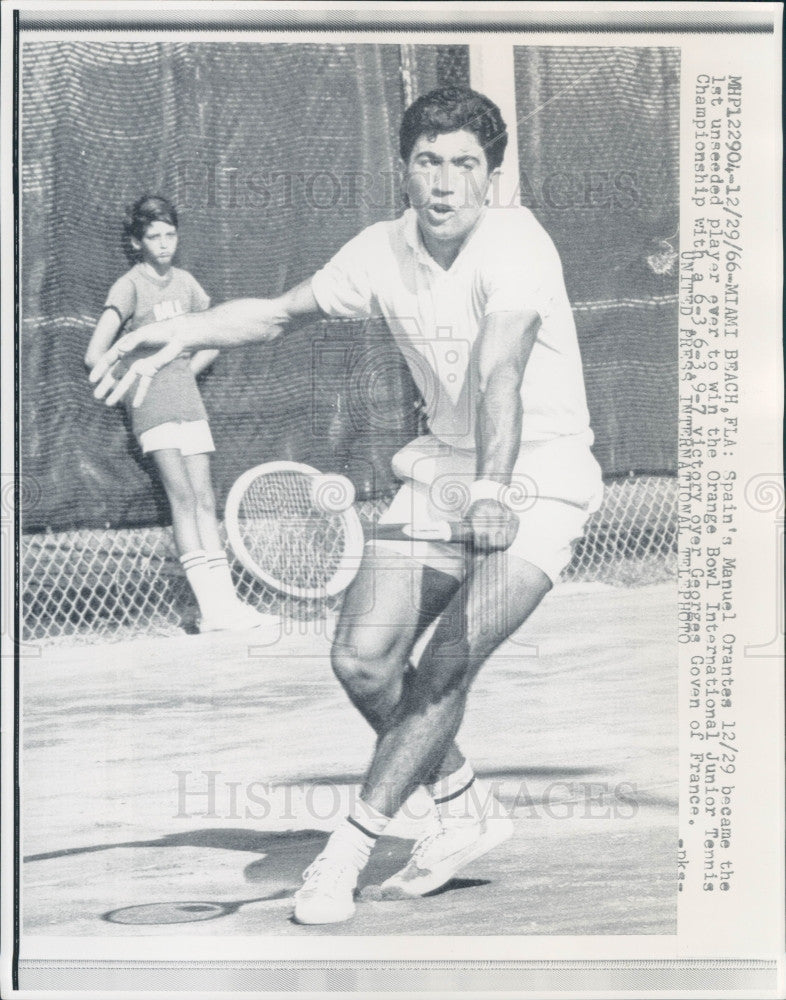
x=158 y=245
x=447 y=179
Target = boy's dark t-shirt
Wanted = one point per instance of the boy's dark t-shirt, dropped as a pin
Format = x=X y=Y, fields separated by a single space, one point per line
x=141 y=298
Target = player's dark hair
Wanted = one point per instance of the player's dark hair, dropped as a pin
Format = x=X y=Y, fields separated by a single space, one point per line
x=146 y=210
x=449 y=109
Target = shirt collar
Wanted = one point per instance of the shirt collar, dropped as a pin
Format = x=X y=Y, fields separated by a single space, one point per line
x=412 y=234
x=152 y=277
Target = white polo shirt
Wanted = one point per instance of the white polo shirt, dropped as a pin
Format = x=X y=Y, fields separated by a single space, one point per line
x=508 y=262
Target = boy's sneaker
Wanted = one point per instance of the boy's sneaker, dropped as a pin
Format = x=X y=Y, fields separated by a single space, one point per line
x=237 y=618
x=441 y=853
x=327 y=895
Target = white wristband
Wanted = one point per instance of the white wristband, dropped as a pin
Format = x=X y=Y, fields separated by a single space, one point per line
x=487 y=489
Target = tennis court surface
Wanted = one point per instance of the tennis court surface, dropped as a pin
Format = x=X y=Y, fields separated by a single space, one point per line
x=180 y=785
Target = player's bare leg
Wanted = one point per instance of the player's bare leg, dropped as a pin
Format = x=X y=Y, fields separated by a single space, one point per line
x=388 y=606
x=494 y=601
x=386 y=609
x=498 y=597
x=417 y=737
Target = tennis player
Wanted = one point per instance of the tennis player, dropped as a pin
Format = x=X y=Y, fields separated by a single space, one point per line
x=475 y=298
x=171 y=424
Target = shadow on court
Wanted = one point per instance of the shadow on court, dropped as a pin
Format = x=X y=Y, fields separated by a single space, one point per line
x=182 y=911
x=197 y=911
x=258 y=842
x=284 y=854
x=486 y=773
x=279 y=843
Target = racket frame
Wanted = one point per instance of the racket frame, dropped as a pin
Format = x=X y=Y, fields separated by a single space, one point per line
x=354 y=537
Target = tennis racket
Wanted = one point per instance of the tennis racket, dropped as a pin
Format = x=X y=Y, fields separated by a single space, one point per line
x=297 y=530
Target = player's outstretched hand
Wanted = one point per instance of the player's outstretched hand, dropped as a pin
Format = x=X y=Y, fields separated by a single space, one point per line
x=493 y=525
x=115 y=382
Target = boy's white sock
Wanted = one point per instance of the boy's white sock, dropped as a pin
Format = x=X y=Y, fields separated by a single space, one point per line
x=221 y=576
x=200 y=578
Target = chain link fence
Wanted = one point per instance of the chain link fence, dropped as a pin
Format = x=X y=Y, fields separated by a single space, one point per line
x=116 y=584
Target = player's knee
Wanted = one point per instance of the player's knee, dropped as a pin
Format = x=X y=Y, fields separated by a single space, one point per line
x=443 y=672
x=363 y=670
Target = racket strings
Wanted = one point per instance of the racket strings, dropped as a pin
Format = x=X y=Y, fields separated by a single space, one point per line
x=285 y=532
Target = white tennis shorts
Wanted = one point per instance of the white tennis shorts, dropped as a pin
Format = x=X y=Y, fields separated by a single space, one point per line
x=556 y=486
x=189 y=437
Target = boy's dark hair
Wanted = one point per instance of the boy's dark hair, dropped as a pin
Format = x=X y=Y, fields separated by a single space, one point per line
x=147 y=209
x=449 y=109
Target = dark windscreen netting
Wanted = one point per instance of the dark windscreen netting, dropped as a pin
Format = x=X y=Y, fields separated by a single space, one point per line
x=275 y=155
x=599 y=149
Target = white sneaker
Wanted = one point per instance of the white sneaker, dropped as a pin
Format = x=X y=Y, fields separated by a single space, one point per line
x=441 y=853
x=327 y=895
x=238 y=618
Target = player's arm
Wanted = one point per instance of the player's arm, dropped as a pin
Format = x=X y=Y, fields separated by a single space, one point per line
x=109 y=322
x=231 y=324
x=506 y=342
x=200 y=301
x=202 y=360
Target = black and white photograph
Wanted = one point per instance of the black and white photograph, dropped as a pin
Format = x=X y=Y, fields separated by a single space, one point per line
x=377 y=454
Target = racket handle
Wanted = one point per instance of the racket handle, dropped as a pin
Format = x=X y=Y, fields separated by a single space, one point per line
x=433 y=531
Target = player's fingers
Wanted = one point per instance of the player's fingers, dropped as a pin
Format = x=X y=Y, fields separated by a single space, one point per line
x=107 y=383
x=104 y=364
x=141 y=389
x=109 y=358
x=124 y=386
x=490 y=543
x=493 y=534
x=162 y=357
x=143 y=369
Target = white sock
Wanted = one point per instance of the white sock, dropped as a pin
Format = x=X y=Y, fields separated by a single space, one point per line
x=456 y=796
x=221 y=575
x=200 y=578
x=357 y=833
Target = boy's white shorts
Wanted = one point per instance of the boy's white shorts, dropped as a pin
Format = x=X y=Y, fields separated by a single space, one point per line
x=556 y=485
x=189 y=437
